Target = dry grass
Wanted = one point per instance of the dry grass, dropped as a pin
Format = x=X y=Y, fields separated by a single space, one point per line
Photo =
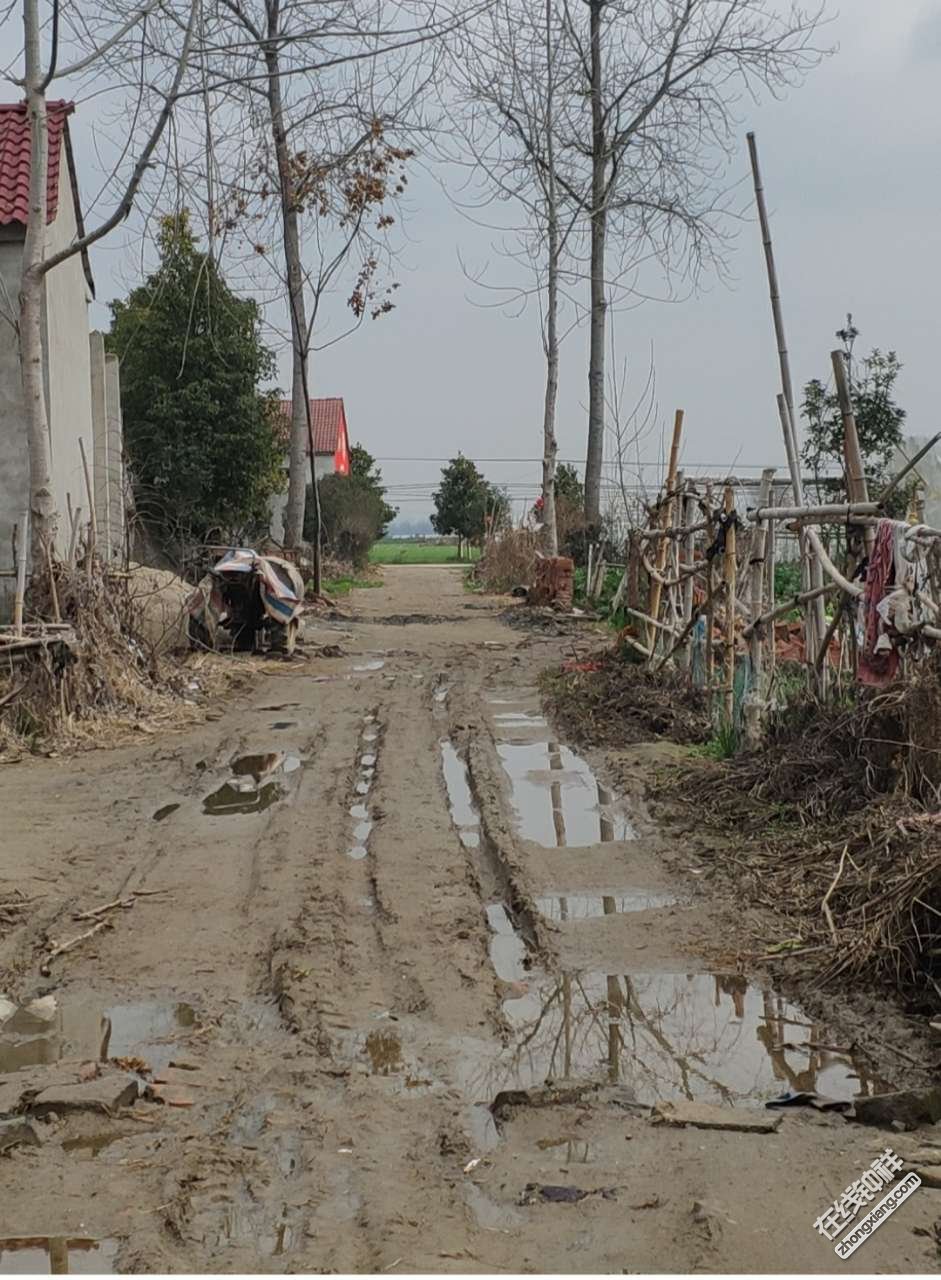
x=113 y=686
x=508 y=562
x=836 y=825
x=620 y=702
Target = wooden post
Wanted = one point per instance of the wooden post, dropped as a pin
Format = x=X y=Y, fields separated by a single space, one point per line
x=729 y=575
x=75 y=518
x=857 y=490
x=56 y=614
x=754 y=702
x=22 y=550
x=666 y=512
x=689 y=555
x=93 y=522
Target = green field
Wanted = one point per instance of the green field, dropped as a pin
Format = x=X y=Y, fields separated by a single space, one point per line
x=406 y=552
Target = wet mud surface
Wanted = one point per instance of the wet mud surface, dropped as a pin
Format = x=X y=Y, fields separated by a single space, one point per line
x=332 y=942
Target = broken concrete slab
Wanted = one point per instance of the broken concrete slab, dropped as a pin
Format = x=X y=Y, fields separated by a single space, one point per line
x=18 y=1132
x=703 y=1116
x=18 y=1088
x=106 y=1092
x=906 y=1109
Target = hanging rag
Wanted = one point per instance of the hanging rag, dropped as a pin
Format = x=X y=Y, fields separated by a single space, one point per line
x=879 y=659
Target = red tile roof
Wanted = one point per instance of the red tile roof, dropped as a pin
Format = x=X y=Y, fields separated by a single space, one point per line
x=14 y=159
x=327 y=418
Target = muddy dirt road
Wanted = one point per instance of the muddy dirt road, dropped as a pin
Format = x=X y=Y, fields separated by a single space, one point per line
x=373 y=894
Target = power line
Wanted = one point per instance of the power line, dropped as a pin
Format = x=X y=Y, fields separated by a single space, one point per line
x=718 y=467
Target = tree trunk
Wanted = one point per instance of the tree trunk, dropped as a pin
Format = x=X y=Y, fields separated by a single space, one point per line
x=300 y=437
x=599 y=221
x=43 y=515
x=550 y=445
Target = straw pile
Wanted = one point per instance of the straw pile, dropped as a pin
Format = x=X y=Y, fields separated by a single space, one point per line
x=113 y=683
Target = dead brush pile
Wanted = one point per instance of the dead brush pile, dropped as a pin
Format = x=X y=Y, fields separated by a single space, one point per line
x=837 y=824
x=509 y=561
x=610 y=700
x=110 y=685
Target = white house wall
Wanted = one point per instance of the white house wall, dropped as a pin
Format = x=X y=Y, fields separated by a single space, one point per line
x=324 y=465
x=69 y=367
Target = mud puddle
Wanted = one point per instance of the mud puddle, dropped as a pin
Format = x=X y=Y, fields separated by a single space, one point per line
x=268 y=1118
x=560 y=907
x=510 y=936
x=557 y=799
x=91 y=1145
x=47 y=1030
x=384 y=1053
x=367 y=763
x=439 y=698
x=464 y=813
x=256 y=782
x=704 y=1037
x=57 y=1255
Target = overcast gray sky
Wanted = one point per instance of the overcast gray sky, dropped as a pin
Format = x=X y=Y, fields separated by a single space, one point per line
x=851 y=169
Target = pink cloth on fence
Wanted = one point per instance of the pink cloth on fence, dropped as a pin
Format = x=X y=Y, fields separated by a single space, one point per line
x=878 y=668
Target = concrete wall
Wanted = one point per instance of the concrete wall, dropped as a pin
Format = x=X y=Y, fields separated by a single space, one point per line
x=323 y=466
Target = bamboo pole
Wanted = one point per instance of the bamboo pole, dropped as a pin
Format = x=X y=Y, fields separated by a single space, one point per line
x=93 y=521
x=728 y=576
x=666 y=519
x=22 y=548
x=909 y=466
x=814 y=619
x=771 y=557
x=773 y=288
x=826 y=511
x=688 y=564
x=754 y=703
x=857 y=490
x=786 y=606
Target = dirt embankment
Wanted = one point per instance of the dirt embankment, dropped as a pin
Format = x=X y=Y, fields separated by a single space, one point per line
x=402 y=976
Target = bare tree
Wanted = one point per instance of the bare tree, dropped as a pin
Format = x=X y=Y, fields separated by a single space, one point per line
x=334 y=155
x=508 y=69
x=646 y=132
x=159 y=42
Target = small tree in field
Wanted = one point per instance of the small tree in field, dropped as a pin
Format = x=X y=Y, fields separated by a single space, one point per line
x=201 y=438
x=879 y=420
x=467 y=504
x=353 y=511
x=363 y=468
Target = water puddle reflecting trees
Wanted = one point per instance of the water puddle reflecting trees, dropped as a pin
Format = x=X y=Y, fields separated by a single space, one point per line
x=704 y=1037
x=560 y=907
